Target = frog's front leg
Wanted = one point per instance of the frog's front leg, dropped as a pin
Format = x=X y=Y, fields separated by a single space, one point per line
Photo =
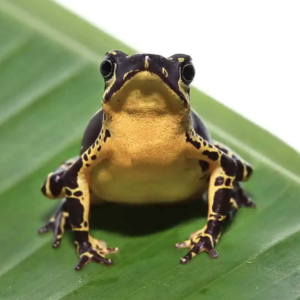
x=222 y=170
x=78 y=202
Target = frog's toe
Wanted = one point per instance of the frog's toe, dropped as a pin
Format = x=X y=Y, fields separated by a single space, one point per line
x=198 y=245
x=57 y=225
x=48 y=227
x=249 y=202
x=94 y=251
x=183 y=245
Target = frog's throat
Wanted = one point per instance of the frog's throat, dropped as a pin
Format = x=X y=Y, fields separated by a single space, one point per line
x=146 y=93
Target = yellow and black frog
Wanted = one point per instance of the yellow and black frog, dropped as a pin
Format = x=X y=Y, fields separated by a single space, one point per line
x=146 y=145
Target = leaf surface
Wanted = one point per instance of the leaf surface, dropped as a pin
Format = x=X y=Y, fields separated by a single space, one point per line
x=50 y=87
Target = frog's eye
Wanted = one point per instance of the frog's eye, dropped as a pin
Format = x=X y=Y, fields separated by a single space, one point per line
x=187 y=73
x=107 y=69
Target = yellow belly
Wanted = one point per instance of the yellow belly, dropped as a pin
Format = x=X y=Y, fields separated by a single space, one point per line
x=152 y=172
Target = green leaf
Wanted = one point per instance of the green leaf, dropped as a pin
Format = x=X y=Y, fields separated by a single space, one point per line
x=50 y=87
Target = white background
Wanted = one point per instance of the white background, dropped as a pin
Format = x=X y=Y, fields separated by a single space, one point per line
x=246 y=53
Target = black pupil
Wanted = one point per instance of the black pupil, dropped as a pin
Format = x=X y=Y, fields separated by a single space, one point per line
x=106 y=68
x=188 y=72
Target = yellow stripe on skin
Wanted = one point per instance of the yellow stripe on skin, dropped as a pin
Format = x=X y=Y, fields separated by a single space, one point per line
x=165 y=73
x=126 y=74
x=184 y=90
x=209 y=236
x=112 y=52
x=48 y=189
x=215 y=216
x=146 y=65
x=110 y=83
x=218 y=237
x=181 y=59
x=233 y=203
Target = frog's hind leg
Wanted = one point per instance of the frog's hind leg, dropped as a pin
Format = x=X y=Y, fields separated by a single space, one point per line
x=244 y=172
x=57 y=223
x=53 y=188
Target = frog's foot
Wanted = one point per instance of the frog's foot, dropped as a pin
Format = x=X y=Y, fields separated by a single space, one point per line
x=94 y=250
x=57 y=224
x=198 y=242
x=241 y=197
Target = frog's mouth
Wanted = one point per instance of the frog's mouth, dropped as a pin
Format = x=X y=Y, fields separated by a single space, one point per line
x=154 y=74
x=146 y=92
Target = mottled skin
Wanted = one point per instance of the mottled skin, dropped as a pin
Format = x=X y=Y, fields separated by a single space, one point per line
x=146 y=145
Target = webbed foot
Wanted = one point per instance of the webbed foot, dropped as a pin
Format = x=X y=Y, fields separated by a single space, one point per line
x=57 y=224
x=94 y=250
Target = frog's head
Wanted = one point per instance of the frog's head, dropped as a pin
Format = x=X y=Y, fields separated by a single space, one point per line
x=147 y=81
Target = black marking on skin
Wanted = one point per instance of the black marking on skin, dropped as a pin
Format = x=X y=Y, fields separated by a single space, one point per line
x=189 y=140
x=104 y=116
x=93 y=157
x=219 y=181
x=107 y=135
x=76 y=211
x=204 y=165
x=56 y=184
x=227 y=182
x=71 y=175
x=58 y=220
x=85 y=157
x=239 y=171
x=87 y=165
x=78 y=193
x=97 y=142
x=211 y=155
x=228 y=165
x=89 y=151
x=82 y=237
x=249 y=171
x=204 y=143
x=221 y=203
x=213 y=228
x=43 y=189
x=222 y=149
x=68 y=192
x=85 y=223
x=99 y=148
